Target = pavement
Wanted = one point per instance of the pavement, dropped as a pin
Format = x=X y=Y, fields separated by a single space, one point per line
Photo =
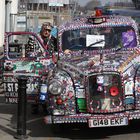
x=8 y=123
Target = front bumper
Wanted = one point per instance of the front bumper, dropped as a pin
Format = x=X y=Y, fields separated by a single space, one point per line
x=84 y=118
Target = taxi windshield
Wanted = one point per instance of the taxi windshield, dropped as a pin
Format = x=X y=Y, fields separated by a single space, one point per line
x=99 y=38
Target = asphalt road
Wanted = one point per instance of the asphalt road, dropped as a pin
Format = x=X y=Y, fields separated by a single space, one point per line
x=38 y=130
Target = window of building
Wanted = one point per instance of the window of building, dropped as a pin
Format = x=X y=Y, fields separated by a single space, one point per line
x=29 y=6
x=35 y=6
x=45 y=6
x=40 y=6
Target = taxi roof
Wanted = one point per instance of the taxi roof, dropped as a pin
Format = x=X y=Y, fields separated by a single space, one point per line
x=111 y=20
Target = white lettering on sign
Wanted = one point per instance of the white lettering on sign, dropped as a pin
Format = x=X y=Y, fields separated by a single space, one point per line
x=10 y=87
x=96 y=40
x=11 y=94
x=31 y=87
x=11 y=100
x=13 y=87
x=16 y=87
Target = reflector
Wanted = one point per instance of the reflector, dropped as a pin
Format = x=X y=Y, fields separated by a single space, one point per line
x=114 y=91
x=59 y=101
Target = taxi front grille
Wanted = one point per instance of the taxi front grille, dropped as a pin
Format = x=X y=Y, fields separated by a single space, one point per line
x=105 y=93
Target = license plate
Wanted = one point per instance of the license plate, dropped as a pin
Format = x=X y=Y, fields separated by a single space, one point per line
x=108 y=122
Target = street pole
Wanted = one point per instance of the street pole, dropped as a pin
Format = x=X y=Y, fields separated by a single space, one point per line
x=2 y=22
x=22 y=103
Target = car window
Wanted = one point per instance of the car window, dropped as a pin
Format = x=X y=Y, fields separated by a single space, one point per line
x=96 y=38
x=24 y=46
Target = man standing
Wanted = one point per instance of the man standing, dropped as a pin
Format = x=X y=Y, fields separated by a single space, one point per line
x=49 y=41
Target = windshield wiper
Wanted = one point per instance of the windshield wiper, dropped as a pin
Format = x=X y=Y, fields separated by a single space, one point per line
x=118 y=49
x=91 y=46
x=95 y=43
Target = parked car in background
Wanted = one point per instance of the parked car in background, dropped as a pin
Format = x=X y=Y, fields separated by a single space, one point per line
x=25 y=55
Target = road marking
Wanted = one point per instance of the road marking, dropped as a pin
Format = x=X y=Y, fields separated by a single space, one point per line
x=36 y=119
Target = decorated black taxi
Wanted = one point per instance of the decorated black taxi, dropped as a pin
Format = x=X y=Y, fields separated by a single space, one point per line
x=97 y=78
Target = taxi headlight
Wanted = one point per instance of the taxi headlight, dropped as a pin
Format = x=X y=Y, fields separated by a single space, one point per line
x=55 y=88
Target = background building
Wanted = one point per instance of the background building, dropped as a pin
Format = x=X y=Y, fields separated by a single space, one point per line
x=32 y=13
